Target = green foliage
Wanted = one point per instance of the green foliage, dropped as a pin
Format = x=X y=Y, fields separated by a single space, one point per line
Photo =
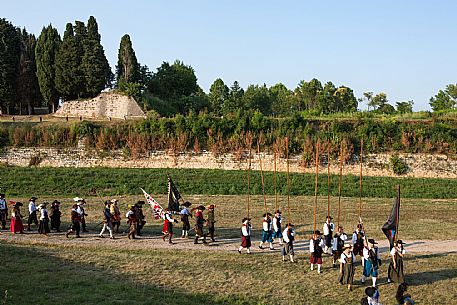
x=47 y=47
x=218 y=96
x=127 y=69
x=398 y=165
x=10 y=46
x=405 y=107
x=445 y=100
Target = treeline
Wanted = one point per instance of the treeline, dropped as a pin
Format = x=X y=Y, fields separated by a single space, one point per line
x=195 y=133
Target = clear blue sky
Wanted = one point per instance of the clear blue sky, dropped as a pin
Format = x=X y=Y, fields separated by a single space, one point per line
x=406 y=49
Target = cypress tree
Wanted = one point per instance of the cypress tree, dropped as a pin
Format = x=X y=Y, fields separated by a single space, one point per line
x=69 y=76
x=127 y=69
x=95 y=66
x=28 y=92
x=47 y=47
x=9 y=62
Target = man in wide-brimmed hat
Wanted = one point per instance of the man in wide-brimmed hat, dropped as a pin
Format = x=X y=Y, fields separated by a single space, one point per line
x=32 y=213
x=288 y=235
x=3 y=210
x=54 y=215
x=315 y=249
x=372 y=259
x=245 y=235
x=267 y=228
x=185 y=214
x=80 y=202
x=43 y=227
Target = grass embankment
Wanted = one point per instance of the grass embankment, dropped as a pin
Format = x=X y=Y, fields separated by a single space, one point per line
x=16 y=181
x=85 y=274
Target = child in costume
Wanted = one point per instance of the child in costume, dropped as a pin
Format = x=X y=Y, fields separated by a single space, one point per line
x=315 y=249
x=245 y=235
x=395 y=273
x=338 y=243
x=185 y=214
x=347 y=260
x=132 y=221
x=168 y=225
x=277 y=220
x=372 y=259
x=267 y=234
x=329 y=227
x=43 y=226
x=16 y=225
x=211 y=221
x=288 y=248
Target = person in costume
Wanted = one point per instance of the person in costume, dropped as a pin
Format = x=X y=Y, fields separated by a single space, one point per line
x=347 y=260
x=107 y=224
x=32 y=213
x=395 y=273
x=372 y=259
x=315 y=249
x=211 y=221
x=185 y=214
x=246 y=229
x=75 y=222
x=371 y=296
x=16 y=225
x=140 y=218
x=80 y=202
x=115 y=215
x=199 y=222
x=3 y=211
x=288 y=248
x=358 y=241
x=43 y=227
x=329 y=227
x=54 y=215
x=277 y=220
x=168 y=225
x=338 y=243
x=132 y=221
x=267 y=234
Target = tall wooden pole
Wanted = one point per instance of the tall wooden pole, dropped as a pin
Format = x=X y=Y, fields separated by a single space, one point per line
x=286 y=142
x=275 y=181
x=361 y=179
x=398 y=213
x=340 y=182
x=316 y=185
x=263 y=178
x=249 y=173
x=328 y=179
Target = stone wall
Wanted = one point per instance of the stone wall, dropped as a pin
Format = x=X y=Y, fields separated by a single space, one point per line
x=421 y=165
x=107 y=104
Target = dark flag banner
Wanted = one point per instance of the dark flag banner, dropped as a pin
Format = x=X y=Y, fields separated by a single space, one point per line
x=390 y=228
x=173 y=196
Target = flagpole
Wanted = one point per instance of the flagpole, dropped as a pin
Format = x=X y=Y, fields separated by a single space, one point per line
x=316 y=185
x=340 y=183
x=249 y=138
x=263 y=179
x=286 y=142
x=361 y=179
x=275 y=178
x=328 y=179
x=398 y=213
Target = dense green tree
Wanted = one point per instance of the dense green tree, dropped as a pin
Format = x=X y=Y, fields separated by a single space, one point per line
x=127 y=69
x=368 y=96
x=173 y=81
x=234 y=101
x=47 y=47
x=328 y=101
x=405 y=107
x=28 y=91
x=345 y=101
x=218 y=96
x=95 y=66
x=69 y=75
x=378 y=101
x=445 y=99
x=282 y=101
x=257 y=98
x=10 y=45
x=308 y=94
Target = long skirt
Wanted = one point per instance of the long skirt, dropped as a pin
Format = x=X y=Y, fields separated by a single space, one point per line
x=16 y=225
x=370 y=269
x=43 y=227
x=396 y=275
x=347 y=277
x=245 y=241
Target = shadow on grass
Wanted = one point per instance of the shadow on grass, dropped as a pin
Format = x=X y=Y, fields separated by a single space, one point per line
x=65 y=282
x=430 y=277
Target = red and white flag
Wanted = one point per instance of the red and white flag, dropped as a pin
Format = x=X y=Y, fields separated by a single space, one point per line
x=156 y=208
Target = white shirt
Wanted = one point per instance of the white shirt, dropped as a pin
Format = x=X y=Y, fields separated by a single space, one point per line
x=366 y=254
x=277 y=223
x=32 y=207
x=2 y=204
x=354 y=237
x=80 y=211
x=326 y=227
x=285 y=237
x=343 y=258
x=311 y=244
x=167 y=216
x=343 y=237
x=266 y=226
x=43 y=213
x=246 y=229
x=130 y=212
x=395 y=250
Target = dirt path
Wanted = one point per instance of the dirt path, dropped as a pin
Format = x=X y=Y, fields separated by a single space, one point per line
x=221 y=244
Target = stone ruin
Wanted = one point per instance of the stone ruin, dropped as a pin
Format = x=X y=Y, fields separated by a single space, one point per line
x=106 y=105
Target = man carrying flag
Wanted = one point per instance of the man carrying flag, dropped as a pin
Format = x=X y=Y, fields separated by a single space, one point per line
x=390 y=228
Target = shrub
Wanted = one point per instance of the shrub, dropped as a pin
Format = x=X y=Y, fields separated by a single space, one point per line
x=399 y=166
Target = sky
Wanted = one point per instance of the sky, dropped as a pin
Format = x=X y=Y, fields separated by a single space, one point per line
x=406 y=49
